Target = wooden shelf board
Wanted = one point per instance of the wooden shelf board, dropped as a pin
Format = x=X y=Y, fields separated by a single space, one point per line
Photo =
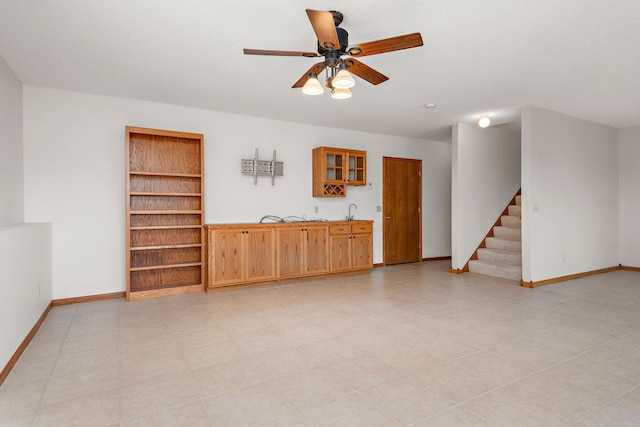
x=151 y=193
x=160 y=267
x=147 y=248
x=172 y=212
x=165 y=227
x=179 y=175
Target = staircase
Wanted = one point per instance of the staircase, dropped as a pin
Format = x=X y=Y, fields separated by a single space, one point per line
x=501 y=254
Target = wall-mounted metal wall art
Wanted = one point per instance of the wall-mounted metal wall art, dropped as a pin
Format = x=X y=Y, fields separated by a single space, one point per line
x=257 y=167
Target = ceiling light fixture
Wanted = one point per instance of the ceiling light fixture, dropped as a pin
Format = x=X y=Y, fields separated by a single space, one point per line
x=484 y=121
x=340 y=93
x=343 y=80
x=312 y=86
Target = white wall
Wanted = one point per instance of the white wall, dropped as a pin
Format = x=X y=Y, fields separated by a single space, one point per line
x=25 y=285
x=570 y=195
x=75 y=163
x=11 y=179
x=629 y=186
x=486 y=176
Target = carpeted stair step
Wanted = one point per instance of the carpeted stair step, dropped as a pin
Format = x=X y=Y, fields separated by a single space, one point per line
x=504 y=244
x=505 y=271
x=518 y=199
x=507 y=232
x=515 y=210
x=511 y=221
x=500 y=256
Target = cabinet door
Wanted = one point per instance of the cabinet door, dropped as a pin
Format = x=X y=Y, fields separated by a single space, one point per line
x=362 y=251
x=357 y=171
x=290 y=251
x=316 y=239
x=225 y=264
x=260 y=253
x=335 y=166
x=340 y=252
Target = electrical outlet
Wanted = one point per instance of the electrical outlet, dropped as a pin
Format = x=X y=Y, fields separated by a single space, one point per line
x=378 y=208
x=315 y=209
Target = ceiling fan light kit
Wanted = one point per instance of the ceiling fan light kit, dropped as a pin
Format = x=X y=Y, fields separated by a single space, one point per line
x=340 y=93
x=333 y=43
x=312 y=86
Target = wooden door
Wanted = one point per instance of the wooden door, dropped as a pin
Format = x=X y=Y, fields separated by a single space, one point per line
x=402 y=217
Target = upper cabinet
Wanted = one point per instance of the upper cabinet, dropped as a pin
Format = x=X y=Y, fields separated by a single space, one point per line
x=335 y=168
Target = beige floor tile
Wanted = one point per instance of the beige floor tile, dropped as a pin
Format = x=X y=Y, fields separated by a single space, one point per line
x=247 y=406
x=227 y=376
x=190 y=414
x=17 y=419
x=21 y=397
x=134 y=347
x=262 y=342
x=145 y=369
x=30 y=369
x=455 y=417
x=310 y=388
x=615 y=363
x=493 y=367
x=407 y=358
x=446 y=346
x=363 y=371
x=347 y=411
x=274 y=364
x=93 y=410
x=211 y=334
x=210 y=355
x=330 y=350
x=69 y=361
x=157 y=394
x=406 y=400
x=453 y=382
x=504 y=408
x=618 y=414
x=292 y=420
x=81 y=383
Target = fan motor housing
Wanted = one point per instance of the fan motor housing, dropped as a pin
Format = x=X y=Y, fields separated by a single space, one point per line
x=343 y=38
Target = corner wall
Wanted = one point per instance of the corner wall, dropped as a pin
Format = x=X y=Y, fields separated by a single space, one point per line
x=11 y=165
x=486 y=175
x=629 y=194
x=569 y=195
x=25 y=285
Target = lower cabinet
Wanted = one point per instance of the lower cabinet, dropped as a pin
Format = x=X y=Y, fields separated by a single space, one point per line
x=351 y=246
x=250 y=253
x=302 y=249
x=239 y=254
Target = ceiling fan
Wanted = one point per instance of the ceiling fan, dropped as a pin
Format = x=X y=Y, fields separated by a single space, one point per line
x=333 y=45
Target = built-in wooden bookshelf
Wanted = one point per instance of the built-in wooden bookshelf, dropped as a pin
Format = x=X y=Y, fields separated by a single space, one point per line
x=165 y=212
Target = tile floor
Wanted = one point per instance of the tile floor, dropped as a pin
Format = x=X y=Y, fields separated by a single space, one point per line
x=407 y=345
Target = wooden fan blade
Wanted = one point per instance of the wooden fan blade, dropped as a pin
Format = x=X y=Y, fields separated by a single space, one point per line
x=325 y=29
x=386 y=45
x=317 y=68
x=279 y=53
x=365 y=72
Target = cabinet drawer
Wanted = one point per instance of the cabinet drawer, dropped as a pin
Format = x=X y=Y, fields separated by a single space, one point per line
x=340 y=229
x=362 y=228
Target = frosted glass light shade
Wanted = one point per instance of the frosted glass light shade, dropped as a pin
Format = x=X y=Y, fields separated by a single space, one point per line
x=312 y=86
x=343 y=80
x=340 y=93
x=484 y=122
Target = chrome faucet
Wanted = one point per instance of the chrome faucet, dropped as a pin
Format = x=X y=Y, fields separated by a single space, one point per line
x=349 y=216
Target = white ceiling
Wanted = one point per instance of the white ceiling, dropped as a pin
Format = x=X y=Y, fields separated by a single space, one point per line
x=579 y=57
